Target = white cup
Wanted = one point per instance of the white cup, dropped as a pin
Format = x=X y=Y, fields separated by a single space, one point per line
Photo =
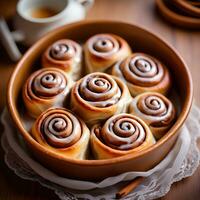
x=32 y=28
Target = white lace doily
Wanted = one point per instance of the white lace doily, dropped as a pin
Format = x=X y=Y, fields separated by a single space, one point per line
x=181 y=162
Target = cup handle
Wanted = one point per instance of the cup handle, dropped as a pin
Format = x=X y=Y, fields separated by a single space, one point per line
x=8 y=42
x=87 y=4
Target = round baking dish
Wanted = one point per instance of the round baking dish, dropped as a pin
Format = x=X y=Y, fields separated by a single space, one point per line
x=140 y=41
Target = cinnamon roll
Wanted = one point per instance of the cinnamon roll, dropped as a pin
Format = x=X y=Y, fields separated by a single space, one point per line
x=156 y=110
x=143 y=73
x=45 y=88
x=64 y=54
x=120 y=135
x=104 y=50
x=60 y=131
x=98 y=96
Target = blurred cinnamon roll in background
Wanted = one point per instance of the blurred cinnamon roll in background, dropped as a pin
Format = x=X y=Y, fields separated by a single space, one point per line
x=188 y=7
x=104 y=50
x=120 y=135
x=98 y=96
x=156 y=110
x=45 y=88
x=64 y=54
x=60 y=131
x=142 y=73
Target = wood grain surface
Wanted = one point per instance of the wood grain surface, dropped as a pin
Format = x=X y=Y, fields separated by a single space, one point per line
x=142 y=13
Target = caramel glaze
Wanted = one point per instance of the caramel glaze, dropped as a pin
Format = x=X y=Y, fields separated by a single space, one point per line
x=99 y=90
x=64 y=54
x=60 y=129
x=143 y=73
x=156 y=110
x=46 y=83
x=157 y=106
x=45 y=88
x=104 y=50
x=122 y=132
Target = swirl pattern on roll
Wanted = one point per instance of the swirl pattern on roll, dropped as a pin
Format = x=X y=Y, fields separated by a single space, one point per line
x=63 y=50
x=122 y=132
x=104 y=50
x=156 y=110
x=97 y=96
x=60 y=129
x=158 y=106
x=46 y=83
x=62 y=132
x=103 y=45
x=45 y=88
x=64 y=54
x=99 y=90
x=143 y=73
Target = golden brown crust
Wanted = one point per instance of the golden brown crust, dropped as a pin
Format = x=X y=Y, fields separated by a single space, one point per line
x=120 y=135
x=60 y=131
x=64 y=54
x=98 y=96
x=156 y=110
x=143 y=73
x=45 y=88
x=104 y=50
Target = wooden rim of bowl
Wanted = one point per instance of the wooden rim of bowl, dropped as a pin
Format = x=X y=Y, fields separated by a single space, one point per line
x=175 y=18
x=13 y=110
x=188 y=7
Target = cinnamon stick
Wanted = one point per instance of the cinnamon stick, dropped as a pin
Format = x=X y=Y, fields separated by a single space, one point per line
x=129 y=187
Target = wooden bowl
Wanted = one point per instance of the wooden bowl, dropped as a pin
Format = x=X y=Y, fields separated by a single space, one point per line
x=187 y=7
x=141 y=41
x=175 y=18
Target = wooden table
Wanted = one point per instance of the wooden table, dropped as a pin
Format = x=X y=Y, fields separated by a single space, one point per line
x=141 y=12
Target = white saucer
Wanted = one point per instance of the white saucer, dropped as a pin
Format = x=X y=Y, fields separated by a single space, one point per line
x=161 y=176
